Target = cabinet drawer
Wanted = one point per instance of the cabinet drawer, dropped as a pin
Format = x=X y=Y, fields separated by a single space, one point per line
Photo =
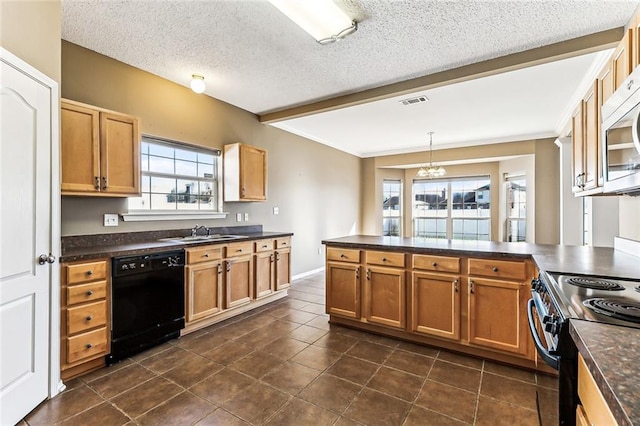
x=83 y=272
x=385 y=258
x=87 y=345
x=86 y=292
x=264 y=245
x=436 y=263
x=239 y=249
x=343 y=255
x=88 y=316
x=498 y=268
x=203 y=254
x=283 y=242
x=595 y=407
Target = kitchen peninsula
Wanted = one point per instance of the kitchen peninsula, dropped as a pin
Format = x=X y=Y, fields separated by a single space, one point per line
x=471 y=296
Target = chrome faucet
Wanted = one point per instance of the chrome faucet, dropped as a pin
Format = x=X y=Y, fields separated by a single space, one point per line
x=194 y=230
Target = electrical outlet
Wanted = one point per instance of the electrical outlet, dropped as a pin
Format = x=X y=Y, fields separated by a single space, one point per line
x=246 y=217
x=276 y=210
x=238 y=217
x=110 y=219
x=319 y=250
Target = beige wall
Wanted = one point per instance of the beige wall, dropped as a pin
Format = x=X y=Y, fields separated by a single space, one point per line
x=316 y=188
x=31 y=31
x=547 y=190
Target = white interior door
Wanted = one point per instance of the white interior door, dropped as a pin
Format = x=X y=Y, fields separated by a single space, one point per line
x=26 y=141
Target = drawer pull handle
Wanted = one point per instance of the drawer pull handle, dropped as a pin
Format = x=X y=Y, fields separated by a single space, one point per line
x=89 y=318
x=88 y=345
x=90 y=293
x=368 y=274
x=97 y=184
x=455 y=285
x=89 y=272
x=471 y=290
x=434 y=264
x=495 y=269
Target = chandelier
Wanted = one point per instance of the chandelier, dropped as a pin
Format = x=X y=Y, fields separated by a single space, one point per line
x=431 y=171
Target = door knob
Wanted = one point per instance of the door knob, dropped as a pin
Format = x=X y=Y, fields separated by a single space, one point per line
x=46 y=258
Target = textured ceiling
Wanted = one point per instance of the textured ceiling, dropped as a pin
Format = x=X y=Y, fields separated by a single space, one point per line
x=254 y=57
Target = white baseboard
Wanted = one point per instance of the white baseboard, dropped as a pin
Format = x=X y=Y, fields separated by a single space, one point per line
x=306 y=274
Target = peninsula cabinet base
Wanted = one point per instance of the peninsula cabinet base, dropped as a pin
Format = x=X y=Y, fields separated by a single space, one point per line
x=232 y=312
x=442 y=344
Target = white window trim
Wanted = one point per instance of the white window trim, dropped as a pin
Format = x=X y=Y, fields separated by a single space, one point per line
x=160 y=215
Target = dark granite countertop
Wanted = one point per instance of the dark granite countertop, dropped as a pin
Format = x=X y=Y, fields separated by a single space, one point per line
x=601 y=261
x=612 y=354
x=87 y=247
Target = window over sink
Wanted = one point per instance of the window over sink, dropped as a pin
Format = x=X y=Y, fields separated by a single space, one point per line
x=178 y=181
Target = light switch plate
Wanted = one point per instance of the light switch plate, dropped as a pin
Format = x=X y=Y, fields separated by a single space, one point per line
x=238 y=217
x=246 y=217
x=276 y=210
x=110 y=219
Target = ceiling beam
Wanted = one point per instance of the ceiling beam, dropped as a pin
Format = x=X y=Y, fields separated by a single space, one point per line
x=540 y=55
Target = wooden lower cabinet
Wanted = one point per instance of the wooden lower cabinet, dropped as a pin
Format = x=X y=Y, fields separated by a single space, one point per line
x=385 y=296
x=496 y=316
x=85 y=301
x=435 y=305
x=204 y=290
x=283 y=269
x=264 y=265
x=343 y=289
x=239 y=282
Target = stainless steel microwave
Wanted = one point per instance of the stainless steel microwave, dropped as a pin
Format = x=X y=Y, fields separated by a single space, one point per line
x=621 y=138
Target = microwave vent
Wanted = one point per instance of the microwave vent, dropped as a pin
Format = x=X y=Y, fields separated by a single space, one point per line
x=416 y=100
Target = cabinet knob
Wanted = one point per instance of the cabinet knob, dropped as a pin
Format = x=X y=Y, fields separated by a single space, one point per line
x=90 y=293
x=434 y=264
x=88 y=345
x=495 y=269
x=206 y=255
x=265 y=246
x=89 y=272
x=342 y=256
x=384 y=259
x=89 y=318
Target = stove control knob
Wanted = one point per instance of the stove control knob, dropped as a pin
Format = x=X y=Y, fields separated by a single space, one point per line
x=547 y=319
x=552 y=328
x=124 y=267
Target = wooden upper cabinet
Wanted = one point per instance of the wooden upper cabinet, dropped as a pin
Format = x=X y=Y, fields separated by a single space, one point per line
x=622 y=59
x=591 y=135
x=605 y=83
x=577 y=148
x=245 y=173
x=635 y=43
x=100 y=151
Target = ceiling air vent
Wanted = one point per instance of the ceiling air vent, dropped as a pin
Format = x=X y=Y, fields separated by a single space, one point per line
x=416 y=100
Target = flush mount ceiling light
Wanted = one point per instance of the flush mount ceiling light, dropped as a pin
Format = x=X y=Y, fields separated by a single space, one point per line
x=431 y=171
x=322 y=19
x=197 y=83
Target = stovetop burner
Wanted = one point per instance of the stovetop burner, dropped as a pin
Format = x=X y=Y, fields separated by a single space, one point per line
x=616 y=308
x=595 y=283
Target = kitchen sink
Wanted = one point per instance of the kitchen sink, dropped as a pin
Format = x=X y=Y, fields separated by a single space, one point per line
x=203 y=238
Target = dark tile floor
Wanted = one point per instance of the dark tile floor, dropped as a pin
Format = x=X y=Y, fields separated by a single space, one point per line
x=283 y=364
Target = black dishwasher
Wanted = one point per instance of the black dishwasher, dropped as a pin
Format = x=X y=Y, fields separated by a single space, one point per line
x=147 y=299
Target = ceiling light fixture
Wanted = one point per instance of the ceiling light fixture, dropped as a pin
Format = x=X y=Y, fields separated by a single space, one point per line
x=431 y=171
x=197 y=83
x=322 y=19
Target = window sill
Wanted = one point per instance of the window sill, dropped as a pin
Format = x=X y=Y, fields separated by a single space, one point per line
x=148 y=216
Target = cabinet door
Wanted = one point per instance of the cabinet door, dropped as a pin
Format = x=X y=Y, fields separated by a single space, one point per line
x=622 y=59
x=591 y=136
x=238 y=281
x=283 y=269
x=496 y=314
x=204 y=290
x=264 y=273
x=577 y=145
x=80 y=150
x=385 y=296
x=343 y=289
x=605 y=83
x=119 y=154
x=435 y=305
x=253 y=173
